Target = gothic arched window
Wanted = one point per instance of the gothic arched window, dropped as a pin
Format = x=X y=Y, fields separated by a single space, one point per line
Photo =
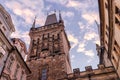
x=44 y=74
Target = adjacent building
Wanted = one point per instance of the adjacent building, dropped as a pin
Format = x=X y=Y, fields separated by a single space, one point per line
x=21 y=46
x=12 y=64
x=110 y=33
x=6 y=28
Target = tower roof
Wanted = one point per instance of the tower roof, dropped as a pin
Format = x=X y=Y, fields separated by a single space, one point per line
x=51 y=19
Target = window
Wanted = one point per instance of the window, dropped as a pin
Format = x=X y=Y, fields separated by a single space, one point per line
x=56 y=36
x=4 y=78
x=117 y=21
x=117 y=10
x=45 y=45
x=16 y=70
x=9 y=66
x=44 y=74
x=2 y=49
x=116 y=47
x=106 y=5
x=0 y=22
x=4 y=28
x=107 y=27
x=1 y=55
x=107 y=34
x=56 y=47
x=21 y=78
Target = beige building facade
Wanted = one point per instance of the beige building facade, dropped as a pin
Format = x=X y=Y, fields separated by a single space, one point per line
x=21 y=46
x=110 y=33
x=12 y=65
x=6 y=28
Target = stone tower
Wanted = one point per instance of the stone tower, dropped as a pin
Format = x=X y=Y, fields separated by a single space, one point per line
x=48 y=56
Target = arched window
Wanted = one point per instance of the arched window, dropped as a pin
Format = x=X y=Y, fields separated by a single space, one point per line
x=44 y=74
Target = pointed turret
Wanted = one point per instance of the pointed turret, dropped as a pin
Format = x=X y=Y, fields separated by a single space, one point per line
x=33 y=26
x=60 y=18
x=51 y=19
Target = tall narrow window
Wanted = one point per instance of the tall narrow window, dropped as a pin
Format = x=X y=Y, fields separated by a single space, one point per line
x=106 y=5
x=21 y=77
x=16 y=71
x=10 y=63
x=1 y=55
x=117 y=21
x=44 y=74
x=117 y=10
x=4 y=78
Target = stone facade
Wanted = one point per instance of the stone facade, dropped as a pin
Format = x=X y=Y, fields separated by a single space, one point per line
x=49 y=49
x=101 y=73
x=20 y=45
x=12 y=65
x=110 y=33
x=5 y=29
x=15 y=68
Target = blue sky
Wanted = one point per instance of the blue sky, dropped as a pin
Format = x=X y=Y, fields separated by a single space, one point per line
x=79 y=18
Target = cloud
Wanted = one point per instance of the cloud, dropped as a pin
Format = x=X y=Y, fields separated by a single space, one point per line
x=75 y=4
x=89 y=53
x=81 y=25
x=27 y=9
x=68 y=14
x=22 y=35
x=97 y=40
x=73 y=40
x=62 y=2
x=70 y=3
x=90 y=35
x=81 y=47
x=90 y=17
x=72 y=58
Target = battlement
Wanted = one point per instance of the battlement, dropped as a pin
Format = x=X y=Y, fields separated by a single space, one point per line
x=47 y=27
x=95 y=74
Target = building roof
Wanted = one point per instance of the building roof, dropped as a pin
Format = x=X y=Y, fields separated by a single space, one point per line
x=51 y=19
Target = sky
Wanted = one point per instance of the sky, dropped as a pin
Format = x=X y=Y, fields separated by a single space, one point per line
x=79 y=19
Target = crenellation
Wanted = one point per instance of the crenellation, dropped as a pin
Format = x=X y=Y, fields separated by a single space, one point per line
x=82 y=75
x=48 y=28
x=101 y=66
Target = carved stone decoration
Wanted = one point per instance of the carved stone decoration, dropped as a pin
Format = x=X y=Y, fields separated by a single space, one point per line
x=76 y=72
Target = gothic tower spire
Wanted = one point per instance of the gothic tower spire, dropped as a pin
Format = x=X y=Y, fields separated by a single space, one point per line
x=33 y=26
x=60 y=17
